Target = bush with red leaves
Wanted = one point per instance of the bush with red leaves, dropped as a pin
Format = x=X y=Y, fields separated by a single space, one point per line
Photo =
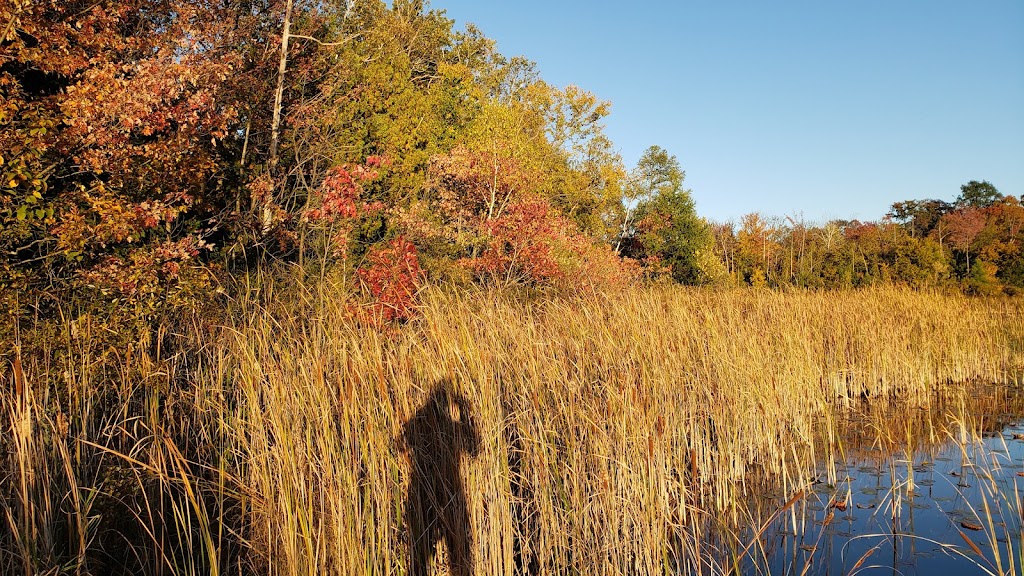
x=338 y=206
x=520 y=244
x=531 y=243
x=393 y=277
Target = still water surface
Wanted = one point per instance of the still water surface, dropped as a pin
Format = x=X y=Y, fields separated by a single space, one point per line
x=948 y=504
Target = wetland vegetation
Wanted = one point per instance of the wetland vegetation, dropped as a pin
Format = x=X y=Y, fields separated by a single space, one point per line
x=294 y=287
x=657 y=430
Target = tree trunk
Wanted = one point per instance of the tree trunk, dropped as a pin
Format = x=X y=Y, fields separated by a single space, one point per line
x=275 y=126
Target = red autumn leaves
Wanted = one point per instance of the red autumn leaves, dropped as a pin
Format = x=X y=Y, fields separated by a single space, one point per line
x=391 y=273
x=507 y=233
x=493 y=209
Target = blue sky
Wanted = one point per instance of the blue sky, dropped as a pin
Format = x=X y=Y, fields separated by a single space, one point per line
x=829 y=109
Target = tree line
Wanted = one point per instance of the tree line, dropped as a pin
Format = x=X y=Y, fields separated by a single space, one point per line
x=972 y=243
x=149 y=147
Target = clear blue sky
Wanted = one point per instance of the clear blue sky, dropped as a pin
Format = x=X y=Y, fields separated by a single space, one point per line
x=832 y=109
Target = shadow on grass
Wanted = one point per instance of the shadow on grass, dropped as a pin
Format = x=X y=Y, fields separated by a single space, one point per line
x=435 y=507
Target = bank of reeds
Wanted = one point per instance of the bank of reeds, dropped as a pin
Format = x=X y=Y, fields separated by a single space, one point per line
x=892 y=455
x=615 y=433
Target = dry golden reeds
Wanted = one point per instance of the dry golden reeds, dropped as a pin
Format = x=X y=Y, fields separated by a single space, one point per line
x=616 y=431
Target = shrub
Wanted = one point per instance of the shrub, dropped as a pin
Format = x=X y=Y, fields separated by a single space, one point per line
x=392 y=278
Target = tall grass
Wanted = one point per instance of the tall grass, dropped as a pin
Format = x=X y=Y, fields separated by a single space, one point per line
x=617 y=431
x=818 y=533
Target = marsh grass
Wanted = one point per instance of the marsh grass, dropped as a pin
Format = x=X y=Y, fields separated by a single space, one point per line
x=981 y=527
x=620 y=433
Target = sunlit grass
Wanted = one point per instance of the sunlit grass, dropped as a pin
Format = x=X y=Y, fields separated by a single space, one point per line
x=620 y=433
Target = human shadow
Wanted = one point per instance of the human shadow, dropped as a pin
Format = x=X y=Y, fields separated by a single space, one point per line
x=435 y=507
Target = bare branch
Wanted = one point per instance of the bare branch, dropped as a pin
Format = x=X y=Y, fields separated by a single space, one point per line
x=339 y=43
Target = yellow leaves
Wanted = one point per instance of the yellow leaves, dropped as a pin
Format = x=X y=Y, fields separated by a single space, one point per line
x=455 y=71
x=26 y=212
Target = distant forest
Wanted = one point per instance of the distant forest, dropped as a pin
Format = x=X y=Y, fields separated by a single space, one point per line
x=149 y=149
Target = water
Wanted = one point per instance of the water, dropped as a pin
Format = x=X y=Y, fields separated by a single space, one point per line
x=934 y=492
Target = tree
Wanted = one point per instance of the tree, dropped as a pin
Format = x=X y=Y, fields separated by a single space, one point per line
x=667 y=229
x=724 y=235
x=976 y=194
x=963 y=226
x=655 y=171
x=1000 y=241
x=756 y=245
x=588 y=174
x=981 y=279
x=117 y=133
x=919 y=216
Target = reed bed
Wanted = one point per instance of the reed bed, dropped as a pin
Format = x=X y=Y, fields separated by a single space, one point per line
x=612 y=434
x=865 y=519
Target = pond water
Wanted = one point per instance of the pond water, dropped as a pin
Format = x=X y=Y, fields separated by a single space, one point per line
x=934 y=492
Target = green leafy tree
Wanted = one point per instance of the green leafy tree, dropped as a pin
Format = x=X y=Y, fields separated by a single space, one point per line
x=667 y=230
x=976 y=194
x=655 y=171
x=981 y=279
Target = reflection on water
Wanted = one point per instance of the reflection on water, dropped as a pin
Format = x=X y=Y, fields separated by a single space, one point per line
x=932 y=490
